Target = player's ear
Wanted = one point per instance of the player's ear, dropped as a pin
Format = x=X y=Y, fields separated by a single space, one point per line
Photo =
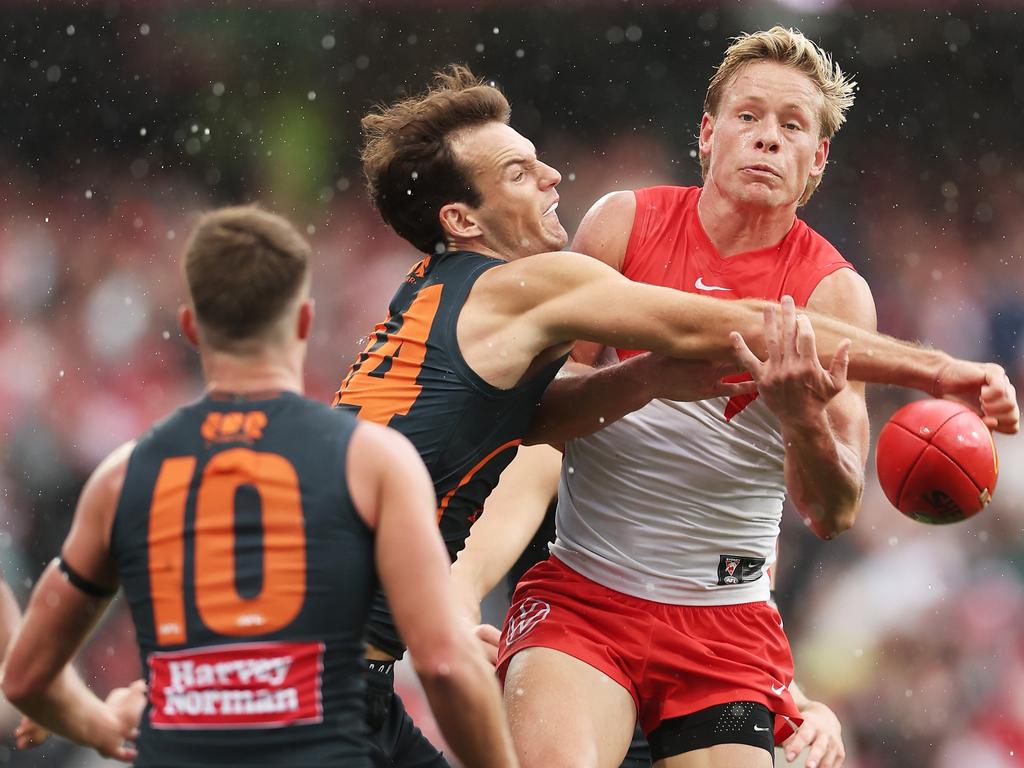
x=459 y=221
x=187 y=323
x=820 y=158
x=707 y=128
x=306 y=313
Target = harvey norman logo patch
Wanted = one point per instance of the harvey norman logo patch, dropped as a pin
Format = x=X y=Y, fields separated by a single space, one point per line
x=245 y=685
x=524 y=617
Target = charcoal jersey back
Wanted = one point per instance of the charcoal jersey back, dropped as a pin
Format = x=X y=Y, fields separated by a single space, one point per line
x=249 y=575
x=412 y=377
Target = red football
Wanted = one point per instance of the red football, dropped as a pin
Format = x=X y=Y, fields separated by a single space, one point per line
x=936 y=461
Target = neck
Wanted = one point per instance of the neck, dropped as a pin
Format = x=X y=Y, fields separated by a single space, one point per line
x=477 y=247
x=242 y=374
x=735 y=228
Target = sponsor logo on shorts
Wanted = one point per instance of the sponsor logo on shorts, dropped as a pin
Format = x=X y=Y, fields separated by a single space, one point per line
x=524 y=617
x=246 y=685
x=778 y=690
x=735 y=569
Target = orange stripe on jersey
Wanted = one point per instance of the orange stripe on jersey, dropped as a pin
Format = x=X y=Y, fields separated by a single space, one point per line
x=167 y=549
x=382 y=383
x=469 y=476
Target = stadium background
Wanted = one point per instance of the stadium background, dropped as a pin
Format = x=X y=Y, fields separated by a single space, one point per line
x=121 y=120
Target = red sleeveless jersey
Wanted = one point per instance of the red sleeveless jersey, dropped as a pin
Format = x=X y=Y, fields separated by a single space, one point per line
x=668 y=246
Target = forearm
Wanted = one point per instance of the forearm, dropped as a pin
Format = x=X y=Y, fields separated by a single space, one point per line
x=878 y=358
x=482 y=741
x=824 y=476
x=584 y=400
x=68 y=708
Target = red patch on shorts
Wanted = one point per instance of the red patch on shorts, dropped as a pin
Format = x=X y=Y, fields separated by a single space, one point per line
x=245 y=685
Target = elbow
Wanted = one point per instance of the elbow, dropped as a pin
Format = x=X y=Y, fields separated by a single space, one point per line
x=447 y=662
x=830 y=526
x=20 y=688
x=828 y=523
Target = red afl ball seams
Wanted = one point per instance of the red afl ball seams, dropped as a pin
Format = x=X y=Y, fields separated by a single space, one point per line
x=936 y=461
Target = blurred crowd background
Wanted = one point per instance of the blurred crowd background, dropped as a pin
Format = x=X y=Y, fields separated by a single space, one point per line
x=120 y=121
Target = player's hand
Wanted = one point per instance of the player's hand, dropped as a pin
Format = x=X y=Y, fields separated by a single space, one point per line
x=983 y=387
x=672 y=378
x=821 y=734
x=791 y=381
x=29 y=734
x=112 y=738
x=489 y=637
x=129 y=703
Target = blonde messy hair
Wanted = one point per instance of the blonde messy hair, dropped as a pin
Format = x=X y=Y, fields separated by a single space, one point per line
x=790 y=48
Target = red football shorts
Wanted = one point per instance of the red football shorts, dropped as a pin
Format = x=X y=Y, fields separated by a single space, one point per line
x=673 y=659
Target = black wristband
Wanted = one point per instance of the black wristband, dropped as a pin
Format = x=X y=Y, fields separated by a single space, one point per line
x=78 y=581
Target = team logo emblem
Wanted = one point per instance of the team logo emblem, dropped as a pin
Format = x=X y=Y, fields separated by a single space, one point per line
x=524 y=617
x=736 y=569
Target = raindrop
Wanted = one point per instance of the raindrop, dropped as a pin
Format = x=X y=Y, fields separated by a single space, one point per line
x=70 y=30
x=142 y=131
x=144 y=30
x=893 y=541
x=170 y=234
x=615 y=35
x=88 y=194
x=310 y=229
x=572 y=177
x=342 y=184
x=311 y=95
x=166 y=335
x=218 y=89
x=520 y=53
x=362 y=61
x=634 y=33
x=327 y=42
x=53 y=73
x=479 y=48
x=61 y=374
x=495 y=30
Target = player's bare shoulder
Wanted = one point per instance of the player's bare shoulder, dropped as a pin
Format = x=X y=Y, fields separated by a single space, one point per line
x=847 y=296
x=605 y=230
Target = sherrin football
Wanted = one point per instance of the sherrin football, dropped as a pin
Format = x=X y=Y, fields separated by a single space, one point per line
x=936 y=461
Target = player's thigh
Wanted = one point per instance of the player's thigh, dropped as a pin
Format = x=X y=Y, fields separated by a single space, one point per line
x=564 y=713
x=720 y=756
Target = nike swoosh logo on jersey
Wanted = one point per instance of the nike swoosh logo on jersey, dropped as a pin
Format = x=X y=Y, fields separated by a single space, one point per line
x=700 y=285
x=758 y=728
x=778 y=690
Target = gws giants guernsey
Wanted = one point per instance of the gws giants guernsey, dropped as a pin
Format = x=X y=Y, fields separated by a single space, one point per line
x=681 y=502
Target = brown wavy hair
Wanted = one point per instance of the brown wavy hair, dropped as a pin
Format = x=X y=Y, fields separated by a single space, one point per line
x=410 y=168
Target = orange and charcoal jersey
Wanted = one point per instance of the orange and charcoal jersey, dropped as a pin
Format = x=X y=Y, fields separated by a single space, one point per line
x=413 y=378
x=249 y=575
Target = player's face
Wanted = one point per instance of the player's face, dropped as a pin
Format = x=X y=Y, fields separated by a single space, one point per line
x=765 y=142
x=518 y=215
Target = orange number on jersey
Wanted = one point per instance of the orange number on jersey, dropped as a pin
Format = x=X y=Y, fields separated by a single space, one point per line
x=220 y=606
x=383 y=381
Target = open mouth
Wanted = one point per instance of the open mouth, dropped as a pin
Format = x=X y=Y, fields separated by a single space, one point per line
x=551 y=208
